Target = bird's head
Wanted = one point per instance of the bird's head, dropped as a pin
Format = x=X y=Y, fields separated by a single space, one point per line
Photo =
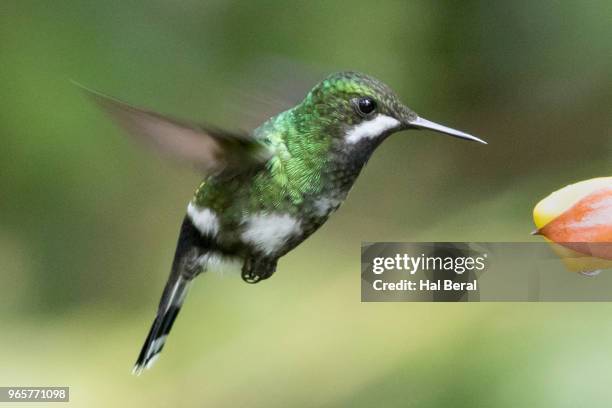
x=359 y=111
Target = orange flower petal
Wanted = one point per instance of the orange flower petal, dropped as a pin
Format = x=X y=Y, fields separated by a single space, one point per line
x=586 y=227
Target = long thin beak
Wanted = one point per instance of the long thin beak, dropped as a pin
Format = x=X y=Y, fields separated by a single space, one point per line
x=421 y=123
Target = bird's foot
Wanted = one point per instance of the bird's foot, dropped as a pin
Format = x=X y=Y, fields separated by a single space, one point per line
x=258 y=269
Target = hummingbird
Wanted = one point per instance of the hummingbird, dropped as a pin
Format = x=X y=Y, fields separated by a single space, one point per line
x=266 y=191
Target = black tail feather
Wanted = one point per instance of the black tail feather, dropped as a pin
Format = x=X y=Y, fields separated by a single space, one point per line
x=185 y=268
x=162 y=325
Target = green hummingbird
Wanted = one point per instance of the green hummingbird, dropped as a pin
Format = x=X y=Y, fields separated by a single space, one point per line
x=266 y=191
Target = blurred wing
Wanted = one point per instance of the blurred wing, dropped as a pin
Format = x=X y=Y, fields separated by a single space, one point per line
x=211 y=150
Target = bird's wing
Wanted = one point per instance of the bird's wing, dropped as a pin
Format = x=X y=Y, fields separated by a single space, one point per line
x=212 y=151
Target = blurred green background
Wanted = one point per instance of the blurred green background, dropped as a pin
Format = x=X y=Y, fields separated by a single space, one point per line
x=88 y=220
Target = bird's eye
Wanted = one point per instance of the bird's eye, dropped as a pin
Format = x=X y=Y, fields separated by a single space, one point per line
x=366 y=105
